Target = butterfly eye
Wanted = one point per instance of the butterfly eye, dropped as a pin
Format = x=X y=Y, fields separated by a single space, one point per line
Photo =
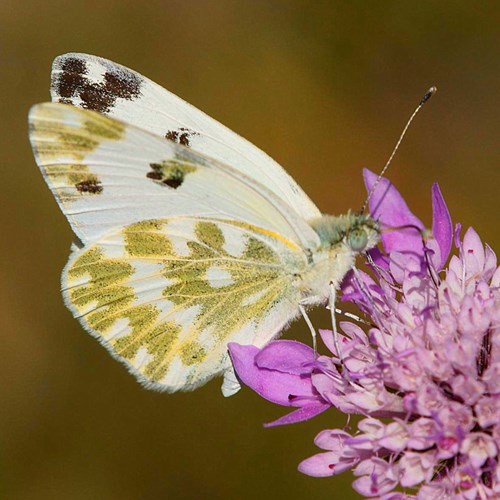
x=357 y=239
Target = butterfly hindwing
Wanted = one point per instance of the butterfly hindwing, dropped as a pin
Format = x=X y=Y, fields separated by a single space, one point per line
x=165 y=296
x=97 y=84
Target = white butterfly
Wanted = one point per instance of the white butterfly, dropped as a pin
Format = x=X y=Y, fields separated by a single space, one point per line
x=188 y=236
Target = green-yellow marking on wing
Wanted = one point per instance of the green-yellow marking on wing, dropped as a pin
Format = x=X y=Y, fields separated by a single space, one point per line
x=61 y=132
x=192 y=353
x=171 y=172
x=174 y=168
x=103 y=128
x=56 y=134
x=224 y=310
x=105 y=290
x=143 y=239
x=67 y=177
x=211 y=235
x=251 y=284
x=111 y=299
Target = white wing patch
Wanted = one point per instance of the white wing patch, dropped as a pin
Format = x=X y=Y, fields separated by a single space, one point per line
x=100 y=85
x=218 y=277
x=169 y=316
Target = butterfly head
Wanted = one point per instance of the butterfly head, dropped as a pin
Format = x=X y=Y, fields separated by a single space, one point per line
x=357 y=232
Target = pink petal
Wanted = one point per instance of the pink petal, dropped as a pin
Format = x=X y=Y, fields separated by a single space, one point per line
x=478 y=446
x=395 y=437
x=379 y=258
x=492 y=375
x=442 y=227
x=387 y=205
x=490 y=266
x=377 y=477
x=495 y=280
x=325 y=464
x=487 y=411
x=300 y=415
x=327 y=338
x=286 y=356
x=332 y=439
x=473 y=252
x=280 y=388
x=416 y=467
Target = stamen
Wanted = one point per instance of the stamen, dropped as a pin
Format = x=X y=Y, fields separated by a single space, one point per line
x=351 y=316
x=333 y=292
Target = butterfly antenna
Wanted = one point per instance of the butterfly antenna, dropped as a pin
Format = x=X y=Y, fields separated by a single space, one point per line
x=424 y=99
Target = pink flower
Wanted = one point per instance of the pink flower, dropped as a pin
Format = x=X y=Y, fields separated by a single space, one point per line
x=426 y=375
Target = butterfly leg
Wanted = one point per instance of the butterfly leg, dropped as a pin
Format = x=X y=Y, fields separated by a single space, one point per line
x=303 y=311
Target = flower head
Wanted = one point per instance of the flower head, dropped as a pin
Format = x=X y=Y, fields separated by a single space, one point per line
x=426 y=373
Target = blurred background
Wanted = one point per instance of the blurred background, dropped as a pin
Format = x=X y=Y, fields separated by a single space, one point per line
x=323 y=87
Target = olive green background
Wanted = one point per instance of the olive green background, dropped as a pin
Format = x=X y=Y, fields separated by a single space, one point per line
x=323 y=87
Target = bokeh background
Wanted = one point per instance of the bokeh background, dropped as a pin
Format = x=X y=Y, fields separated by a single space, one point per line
x=323 y=87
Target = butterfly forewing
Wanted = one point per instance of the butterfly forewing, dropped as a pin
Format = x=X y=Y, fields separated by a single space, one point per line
x=165 y=296
x=98 y=84
x=106 y=174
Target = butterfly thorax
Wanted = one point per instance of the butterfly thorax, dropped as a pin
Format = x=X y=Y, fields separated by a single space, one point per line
x=342 y=239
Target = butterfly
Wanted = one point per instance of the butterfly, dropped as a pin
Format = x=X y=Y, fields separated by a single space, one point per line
x=187 y=236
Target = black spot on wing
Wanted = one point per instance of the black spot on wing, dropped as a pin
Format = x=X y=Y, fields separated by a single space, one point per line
x=172 y=135
x=72 y=82
x=156 y=176
x=181 y=136
x=174 y=182
x=71 y=79
x=91 y=185
x=75 y=65
x=123 y=85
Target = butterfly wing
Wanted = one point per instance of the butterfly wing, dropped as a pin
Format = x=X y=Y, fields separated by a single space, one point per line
x=98 y=84
x=106 y=174
x=165 y=296
x=180 y=254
